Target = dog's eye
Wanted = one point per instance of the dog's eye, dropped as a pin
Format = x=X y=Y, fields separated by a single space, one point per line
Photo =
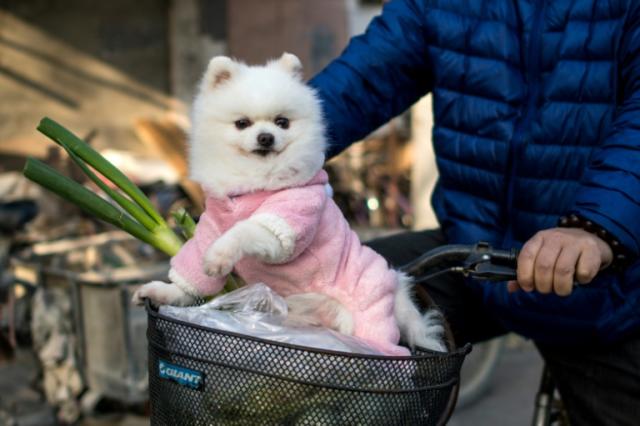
x=243 y=123
x=282 y=122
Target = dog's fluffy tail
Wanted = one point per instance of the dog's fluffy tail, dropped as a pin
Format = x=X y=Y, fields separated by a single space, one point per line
x=426 y=330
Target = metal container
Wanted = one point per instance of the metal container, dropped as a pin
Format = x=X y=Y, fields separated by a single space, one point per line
x=112 y=332
x=108 y=331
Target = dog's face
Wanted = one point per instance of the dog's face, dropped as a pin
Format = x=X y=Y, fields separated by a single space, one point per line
x=255 y=127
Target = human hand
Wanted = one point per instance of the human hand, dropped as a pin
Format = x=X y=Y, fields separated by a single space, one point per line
x=554 y=258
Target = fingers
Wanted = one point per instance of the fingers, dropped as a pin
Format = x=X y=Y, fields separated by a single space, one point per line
x=553 y=259
x=588 y=266
x=526 y=262
x=545 y=265
x=564 y=270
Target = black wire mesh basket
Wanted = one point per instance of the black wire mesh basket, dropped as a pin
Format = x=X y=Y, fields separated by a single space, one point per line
x=204 y=376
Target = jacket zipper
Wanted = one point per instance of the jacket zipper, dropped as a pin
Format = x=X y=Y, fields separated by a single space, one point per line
x=521 y=137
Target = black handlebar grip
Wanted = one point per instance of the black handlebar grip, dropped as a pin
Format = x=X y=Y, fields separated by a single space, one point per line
x=506 y=257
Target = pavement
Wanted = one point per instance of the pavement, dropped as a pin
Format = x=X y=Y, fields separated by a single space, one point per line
x=509 y=399
x=20 y=403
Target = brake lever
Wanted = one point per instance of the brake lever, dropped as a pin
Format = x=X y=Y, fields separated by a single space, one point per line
x=488 y=264
x=479 y=261
x=491 y=272
x=482 y=262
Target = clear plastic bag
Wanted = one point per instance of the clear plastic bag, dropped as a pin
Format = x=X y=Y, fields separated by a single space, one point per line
x=256 y=310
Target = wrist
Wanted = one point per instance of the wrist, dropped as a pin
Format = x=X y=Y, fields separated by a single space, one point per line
x=620 y=256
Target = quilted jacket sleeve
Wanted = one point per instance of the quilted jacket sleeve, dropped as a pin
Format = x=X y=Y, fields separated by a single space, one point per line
x=378 y=76
x=610 y=189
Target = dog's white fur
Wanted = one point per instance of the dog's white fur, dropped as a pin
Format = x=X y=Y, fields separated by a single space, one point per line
x=223 y=161
x=220 y=156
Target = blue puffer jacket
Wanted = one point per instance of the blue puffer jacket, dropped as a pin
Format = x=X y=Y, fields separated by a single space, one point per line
x=537 y=114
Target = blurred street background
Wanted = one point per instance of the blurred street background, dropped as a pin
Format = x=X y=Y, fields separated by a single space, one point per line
x=121 y=75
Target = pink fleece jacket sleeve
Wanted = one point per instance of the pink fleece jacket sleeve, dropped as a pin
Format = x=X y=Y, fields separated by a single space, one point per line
x=187 y=267
x=293 y=215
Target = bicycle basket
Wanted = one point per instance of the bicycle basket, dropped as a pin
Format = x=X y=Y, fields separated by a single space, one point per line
x=203 y=376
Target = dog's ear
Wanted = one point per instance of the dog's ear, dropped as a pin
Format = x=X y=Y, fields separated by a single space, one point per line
x=220 y=70
x=291 y=64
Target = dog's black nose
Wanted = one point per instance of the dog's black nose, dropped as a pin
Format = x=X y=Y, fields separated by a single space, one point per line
x=265 y=140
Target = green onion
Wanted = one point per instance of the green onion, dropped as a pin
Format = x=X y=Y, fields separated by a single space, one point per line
x=185 y=222
x=88 y=201
x=137 y=215
x=81 y=149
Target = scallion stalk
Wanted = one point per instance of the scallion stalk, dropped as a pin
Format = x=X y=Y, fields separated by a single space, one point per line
x=81 y=149
x=138 y=216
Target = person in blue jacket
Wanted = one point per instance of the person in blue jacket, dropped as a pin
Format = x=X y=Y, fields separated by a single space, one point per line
x=537 y=117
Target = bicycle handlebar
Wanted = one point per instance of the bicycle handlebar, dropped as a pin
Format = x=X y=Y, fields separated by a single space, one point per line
x=479 y=261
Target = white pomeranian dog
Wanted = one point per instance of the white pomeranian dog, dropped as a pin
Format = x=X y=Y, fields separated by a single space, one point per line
x=257 y=148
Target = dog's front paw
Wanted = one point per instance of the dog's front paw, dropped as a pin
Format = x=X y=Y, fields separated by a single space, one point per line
x=220 y=259
x=160 y=293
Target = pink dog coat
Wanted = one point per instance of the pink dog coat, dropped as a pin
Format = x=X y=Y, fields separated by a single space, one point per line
x=323 y=256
